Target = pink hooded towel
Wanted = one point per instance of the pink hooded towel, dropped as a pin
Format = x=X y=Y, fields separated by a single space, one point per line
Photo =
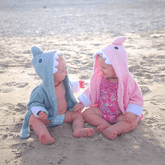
x=129 y=95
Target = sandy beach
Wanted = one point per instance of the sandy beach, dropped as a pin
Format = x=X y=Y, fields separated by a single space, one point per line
x=79 y=29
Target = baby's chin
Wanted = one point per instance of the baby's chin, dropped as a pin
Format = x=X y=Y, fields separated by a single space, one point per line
x=105 y=76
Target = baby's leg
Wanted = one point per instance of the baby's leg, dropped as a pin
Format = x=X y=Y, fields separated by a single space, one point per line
x=41 y=130
x=78 y=124
x=93 y=116
x=120 y=127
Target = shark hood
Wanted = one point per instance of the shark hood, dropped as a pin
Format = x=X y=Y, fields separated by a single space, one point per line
x=128 y=90
x=45 y=62
x=116 y=55
x=45 y=66
x=44 y=96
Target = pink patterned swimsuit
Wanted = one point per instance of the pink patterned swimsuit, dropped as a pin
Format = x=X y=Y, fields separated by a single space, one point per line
x=108 y=102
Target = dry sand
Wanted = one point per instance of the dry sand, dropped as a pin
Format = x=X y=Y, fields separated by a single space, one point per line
x=79 y=29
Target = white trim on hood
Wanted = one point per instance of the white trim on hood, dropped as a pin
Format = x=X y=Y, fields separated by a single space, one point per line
x=103 y=55
x=56 y=56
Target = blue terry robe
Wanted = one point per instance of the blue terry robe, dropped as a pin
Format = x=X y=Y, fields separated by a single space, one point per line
x=43 y=96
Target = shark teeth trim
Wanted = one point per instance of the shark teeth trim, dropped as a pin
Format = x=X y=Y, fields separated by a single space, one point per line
x=103 y=55
x=56 y=56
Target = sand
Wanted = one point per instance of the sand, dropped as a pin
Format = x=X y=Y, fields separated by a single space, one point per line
x=79 y=29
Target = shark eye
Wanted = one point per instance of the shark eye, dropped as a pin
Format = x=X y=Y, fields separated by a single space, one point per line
x=116 y=47
x=40 y=60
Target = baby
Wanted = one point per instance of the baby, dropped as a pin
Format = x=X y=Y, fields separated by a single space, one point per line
x=51 y=103
x=114 y=97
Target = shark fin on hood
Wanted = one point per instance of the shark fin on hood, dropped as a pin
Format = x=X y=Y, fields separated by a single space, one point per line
x=36 y=51
x=119 y=40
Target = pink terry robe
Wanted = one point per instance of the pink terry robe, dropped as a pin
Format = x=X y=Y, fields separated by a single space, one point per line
x=129 y=95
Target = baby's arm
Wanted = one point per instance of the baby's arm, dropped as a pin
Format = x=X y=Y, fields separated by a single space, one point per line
x=78 y=107
x=36 y=103
x=84 y=99
x=36 y=110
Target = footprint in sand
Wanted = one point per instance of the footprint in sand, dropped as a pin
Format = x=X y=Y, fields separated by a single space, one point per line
x=2 y=70
x=159 y=98
x=133 y=68
x=8 y=90
x=20 y=107
x=17 y=84
x=161 y=126
x=10 y=85
x=144 y=89
x=62 y=160
x=162 y=107
x=4 y=137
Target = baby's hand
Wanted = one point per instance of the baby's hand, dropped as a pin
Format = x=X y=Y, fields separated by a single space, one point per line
x=78 y=107
x=44 y=118
x=130 y=117
x=42 y=115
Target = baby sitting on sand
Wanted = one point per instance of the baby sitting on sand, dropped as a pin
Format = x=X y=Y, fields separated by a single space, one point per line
x=114 y=99
x=52 y=101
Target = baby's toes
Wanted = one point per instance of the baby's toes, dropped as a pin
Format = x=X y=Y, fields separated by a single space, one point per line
x=91 y=132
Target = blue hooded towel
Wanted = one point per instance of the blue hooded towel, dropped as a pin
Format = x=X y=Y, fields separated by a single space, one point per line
x=43 y=96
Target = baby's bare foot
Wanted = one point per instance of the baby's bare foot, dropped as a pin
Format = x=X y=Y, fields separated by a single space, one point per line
x=83 y=132
x=46 y=139
x=110 y=133
x=102 y=127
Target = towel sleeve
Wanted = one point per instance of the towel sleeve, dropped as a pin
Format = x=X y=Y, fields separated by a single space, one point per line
x=135 y=109
x=84 y=98
x=135 y=104
x=36 y=102
x=36 y=109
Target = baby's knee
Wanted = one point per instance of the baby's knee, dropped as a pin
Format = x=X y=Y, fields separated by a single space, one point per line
x=32 y=118
x=71 y=116
x=133 y=125
x=86 y=112
x=78 y=115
